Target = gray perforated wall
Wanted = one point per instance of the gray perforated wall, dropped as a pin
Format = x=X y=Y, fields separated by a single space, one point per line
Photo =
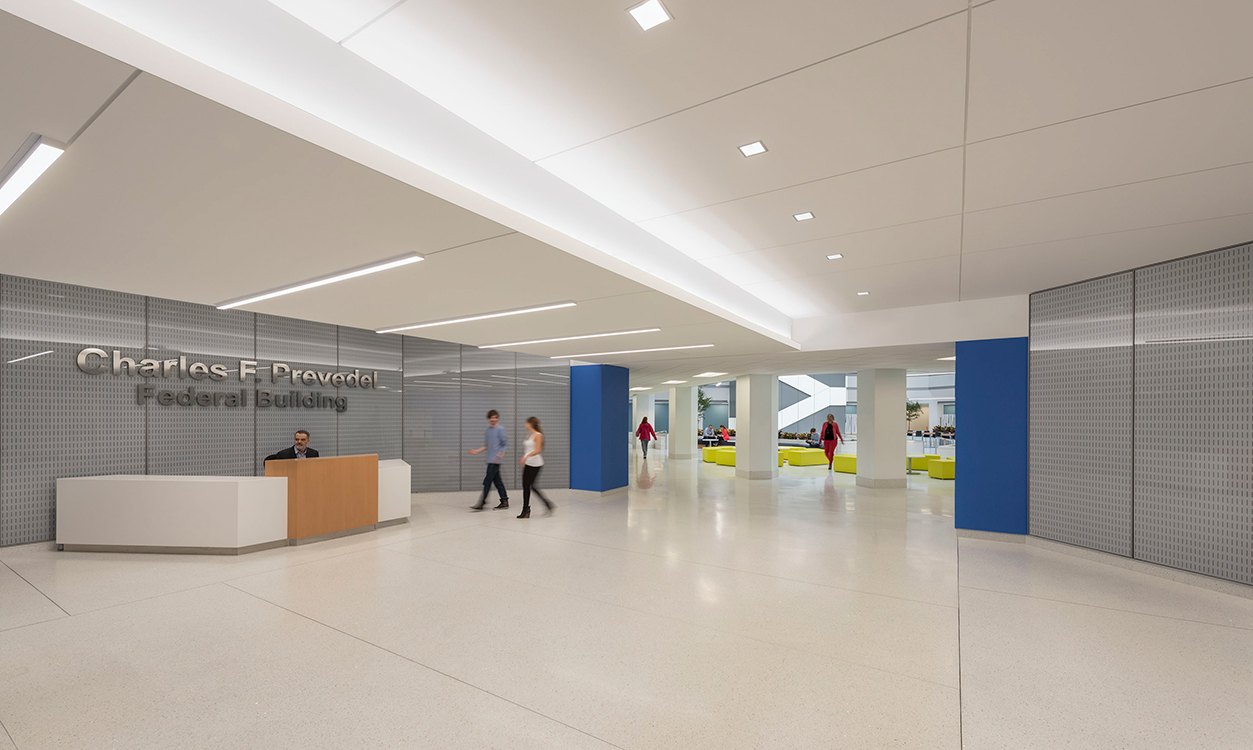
x=1080 y=442
x=56 y=421
x=1194 y=414
x=1141 y=410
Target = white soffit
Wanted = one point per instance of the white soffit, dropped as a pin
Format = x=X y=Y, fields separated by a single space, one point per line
x=230 y=50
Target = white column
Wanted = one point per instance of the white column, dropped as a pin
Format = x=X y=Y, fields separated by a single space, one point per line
x=881 y=428
x=757 y=427
x=681 y=441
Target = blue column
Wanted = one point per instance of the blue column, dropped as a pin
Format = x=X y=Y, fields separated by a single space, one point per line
x=600 y=425
x=992 y=424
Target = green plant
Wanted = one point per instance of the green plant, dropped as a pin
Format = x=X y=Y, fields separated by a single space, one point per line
x=703 y=402
x=913 y=410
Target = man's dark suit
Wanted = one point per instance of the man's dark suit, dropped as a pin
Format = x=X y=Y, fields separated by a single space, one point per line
x=290 y=452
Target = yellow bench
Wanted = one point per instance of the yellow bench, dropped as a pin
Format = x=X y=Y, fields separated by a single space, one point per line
x=782 y=457
x=709 y=454
x=845 y=462
x=944 y=468
x=919 y=463
x=725 y=457
x=806 y=457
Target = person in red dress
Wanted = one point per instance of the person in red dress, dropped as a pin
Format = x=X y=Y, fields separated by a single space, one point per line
x=831 y=438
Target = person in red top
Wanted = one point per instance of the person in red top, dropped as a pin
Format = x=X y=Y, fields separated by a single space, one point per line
x=726 y=436
x=645 y=433
x=831 y=438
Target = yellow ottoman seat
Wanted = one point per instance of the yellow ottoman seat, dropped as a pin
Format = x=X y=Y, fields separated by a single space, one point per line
x=807 y=457
x=782 y=457
x=709 y=454
x=919 y=463
x=944 y=468
x=845 y=462
x=725 y=457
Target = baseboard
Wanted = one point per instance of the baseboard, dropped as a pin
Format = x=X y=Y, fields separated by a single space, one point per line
x=878 y=484
x=331 y=535
x=763 y=474
x=992 y=536
x=589 y=494
x=391 y=522
x=155 y=550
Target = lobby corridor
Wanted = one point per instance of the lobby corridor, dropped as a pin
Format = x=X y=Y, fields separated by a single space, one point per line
x=694 y=611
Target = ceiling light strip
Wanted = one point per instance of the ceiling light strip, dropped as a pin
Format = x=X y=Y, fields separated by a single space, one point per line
x=632 y=351
x=352 y=273
x=570 y=338
x=29 y=356
x=471 y=318
x=40 y=155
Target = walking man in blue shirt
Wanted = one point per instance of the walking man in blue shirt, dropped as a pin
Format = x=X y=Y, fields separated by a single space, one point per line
x=494 y=443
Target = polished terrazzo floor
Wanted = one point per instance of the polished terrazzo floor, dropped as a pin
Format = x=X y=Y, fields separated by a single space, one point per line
x=695 y=611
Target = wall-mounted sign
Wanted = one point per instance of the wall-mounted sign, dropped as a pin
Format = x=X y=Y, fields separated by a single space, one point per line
x=99 y=362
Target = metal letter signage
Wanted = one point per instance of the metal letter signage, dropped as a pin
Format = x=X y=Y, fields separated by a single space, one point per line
x=93 y=361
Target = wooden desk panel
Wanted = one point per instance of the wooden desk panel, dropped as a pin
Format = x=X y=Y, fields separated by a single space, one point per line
x=326 y=495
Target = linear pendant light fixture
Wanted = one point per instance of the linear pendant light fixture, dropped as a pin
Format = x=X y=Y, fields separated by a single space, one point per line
x=351 y=273
x=31 y=160
x=470 y=318
x=570 y=338
x=632 y=351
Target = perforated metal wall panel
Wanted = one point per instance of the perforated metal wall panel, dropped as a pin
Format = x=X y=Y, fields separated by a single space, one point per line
x=1081 y=401
x=371 y=423
x=432 y=397
x=199 y=440
x=543 y=387
x=57 y=421
x=301 y=344
x=1194 y=414
x=487 y=383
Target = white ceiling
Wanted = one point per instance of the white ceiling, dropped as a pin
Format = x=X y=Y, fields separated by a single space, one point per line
x=950 y=153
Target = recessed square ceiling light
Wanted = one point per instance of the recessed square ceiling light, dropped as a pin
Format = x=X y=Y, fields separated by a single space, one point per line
x=673 y=382
x=709 y=374
x=836 y=256
x=754 y=148
x=862 y=294
x=803 y=217
x=649 y=14
x=642 y=388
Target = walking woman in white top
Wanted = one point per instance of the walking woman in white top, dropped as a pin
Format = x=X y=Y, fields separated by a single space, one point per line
x=531 y=462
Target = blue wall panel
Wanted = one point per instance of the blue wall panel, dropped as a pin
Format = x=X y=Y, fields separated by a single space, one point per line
x=991 y=492
x=600 y=425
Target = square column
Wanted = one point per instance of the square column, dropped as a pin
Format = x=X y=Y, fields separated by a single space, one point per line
x=681 y=442
x=881 y=428
x=757 y=427
x=600 y=427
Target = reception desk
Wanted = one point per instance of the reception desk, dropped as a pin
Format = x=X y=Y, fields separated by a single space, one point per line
x=232 y=515
x=329 y=496
x=205 y=515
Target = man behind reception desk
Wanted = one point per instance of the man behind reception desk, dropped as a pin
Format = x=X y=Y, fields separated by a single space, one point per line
x=300 y=449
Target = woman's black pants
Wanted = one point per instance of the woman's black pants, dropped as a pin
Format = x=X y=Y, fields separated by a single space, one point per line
x=529 y=475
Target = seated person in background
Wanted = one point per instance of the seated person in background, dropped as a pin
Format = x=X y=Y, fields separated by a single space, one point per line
x=726 y=436
x=812 y=440
x=299 y=449
x=708 y=435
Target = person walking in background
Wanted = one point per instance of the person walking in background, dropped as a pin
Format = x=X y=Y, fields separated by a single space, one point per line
x=831 y=438
x=494 y=443
x=645 y=433
x=532 y=461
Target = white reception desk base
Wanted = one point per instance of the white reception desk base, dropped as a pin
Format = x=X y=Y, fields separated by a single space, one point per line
x=200 y=515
